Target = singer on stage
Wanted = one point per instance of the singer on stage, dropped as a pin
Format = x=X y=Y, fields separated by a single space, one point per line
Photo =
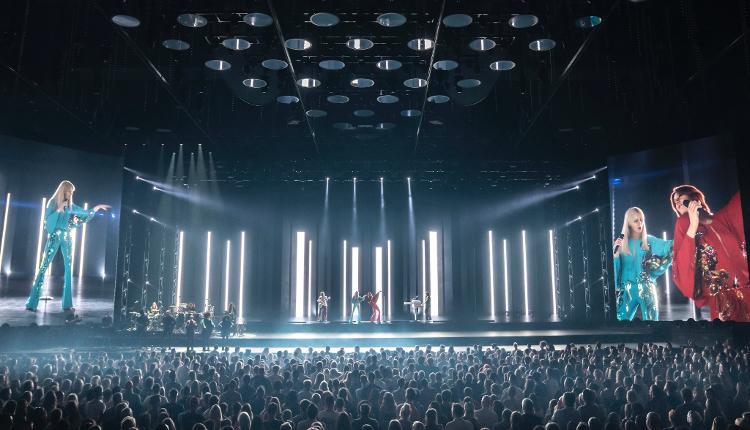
x=640 y=259
x=356 y=307
x=60 y=217
x=710 y=263
x=372 y=299
x=323 y=307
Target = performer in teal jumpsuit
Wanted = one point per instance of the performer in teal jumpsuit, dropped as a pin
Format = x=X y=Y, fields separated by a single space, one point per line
x=638 y=264
x=61 y=216
x=356 y=302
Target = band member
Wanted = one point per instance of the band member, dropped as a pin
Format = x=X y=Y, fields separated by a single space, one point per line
x=323 y=307
x=225 y=326
x=154 y=308
x=639 y=261
x=61 y=216
x=207 y=329
x=710 y=258
x=356 y=302
x=372 y=299
x=427 y=310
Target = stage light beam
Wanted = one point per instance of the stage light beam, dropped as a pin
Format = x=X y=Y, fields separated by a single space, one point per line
x=343 y=285
x=505 y=275
x=309 y=279
x=208 y=271
x=5 y=228
x=552 y=271
x=388 y=282
x=226 y=275
x=379 y=274
x=666 y=274
x=299 y=300
x=492 y=274
x=241 y=305
x=525 y=275
x=424 y=269
x=39 y=240
x=179 y=269
x=355 y=269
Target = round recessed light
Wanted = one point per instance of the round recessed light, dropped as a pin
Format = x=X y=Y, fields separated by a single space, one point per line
x=542 y=45
x=363 y=113
x=469 y=83
x=254 y=83
x=387 y=99
x=308 y=82
x=343 y=126
x=126 y=21
x=298 y=44
x=331 y=64
x=415 y=83
x=257 y=19
x=482 y=44
x=236 y=44
x=445 y=65
x=176 y=45
x=337 y=99
x=438 y=98
x=362 y=82
x=316 y=113
x=388 y=64
x=359 y=44
x=523 y=21
x=274 y=64
x=385 y=126
x=192 y=20
x=502 y=65
x=411 y=113
x=287 y=100
x=457 y=20
x=588 y=21
x=324 y=19
x=218 y=65
x=391 y=19
x=421 y=44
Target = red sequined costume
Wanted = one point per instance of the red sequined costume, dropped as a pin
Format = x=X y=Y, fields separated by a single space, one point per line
x=372 y=299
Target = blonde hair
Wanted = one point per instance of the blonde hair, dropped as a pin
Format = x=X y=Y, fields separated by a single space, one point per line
x=59 y=196
x=626 y=230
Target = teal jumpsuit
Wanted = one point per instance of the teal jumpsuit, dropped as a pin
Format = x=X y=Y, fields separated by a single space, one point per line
x=636 y=275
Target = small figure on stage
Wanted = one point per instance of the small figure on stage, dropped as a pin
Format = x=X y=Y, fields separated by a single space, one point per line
x=154 y=308
x=427 y=311
x=323 y=307
x=356 y=302
x=169 y=322
x=416 y=306
x=190 y=326
x=372 y=299
x=61 y=216
x=225 y=326
x=207 y=328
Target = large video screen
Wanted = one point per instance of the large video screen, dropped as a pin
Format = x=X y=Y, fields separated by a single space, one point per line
x=59 y=210
x=678 y=234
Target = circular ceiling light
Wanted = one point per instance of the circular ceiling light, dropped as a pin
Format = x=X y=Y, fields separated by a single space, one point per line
x=469 y=83
x=388 y=64
x=192 y=20
x=176 y=45
x=324 y=19
x=337 y=99
x=257 y=19
x=385 y=126
x=308 y=82
x=126 y=21
x=331 y=64
x=274 y=64
x=236 y=44
x=316 y=113
x=387 y=99
x=421 y=44
x=542 y=45
x=218 y=65
x=523 y=21
x=411 y=113
x=287 y=100
x=391 y=19
x=438 y=98
x=359 y=44
x=415 y=83
x=502 y=65
x=457 y=20
x=363 y=113
x=343 y=126
x=445 y=65
x=482 y=44
x=298 y=44
x=588 y=21
x=254 y=83
x=362 y=82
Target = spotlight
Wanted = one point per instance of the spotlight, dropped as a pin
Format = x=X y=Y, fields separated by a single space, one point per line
x=135 y=211
x=408 y=178
x=578 y=187
x=112 y=215
x=137 y=178
x=381 y=179
x=327 y=179
x=355 y=179
x=154 y=188
x=593 y=177
x=579 y=218
x=596 y=209
x=152 y=219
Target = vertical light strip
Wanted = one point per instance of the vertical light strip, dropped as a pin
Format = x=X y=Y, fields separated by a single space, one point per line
x=241 y=304
x=226 y=275
x=179 y=269
x=505 y=275
x=492 y=273
x=355 y=269
x=299 y=297
x=344 y=297
x=83 y=244
x=424 y=270
x=208 y=271
x=525 y=275
x=5 y=229
x=388 y=281
x=39 y=240
x=74 y=240
x=309 y=279
x=379 y=274
x=434 y=296
x=552 y=272
x=666 y=274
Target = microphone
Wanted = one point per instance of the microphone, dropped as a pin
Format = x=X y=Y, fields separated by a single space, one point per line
x=621 y=236
x=686 y=203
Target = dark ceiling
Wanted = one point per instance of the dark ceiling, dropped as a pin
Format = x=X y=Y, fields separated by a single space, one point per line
x=653 y=72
